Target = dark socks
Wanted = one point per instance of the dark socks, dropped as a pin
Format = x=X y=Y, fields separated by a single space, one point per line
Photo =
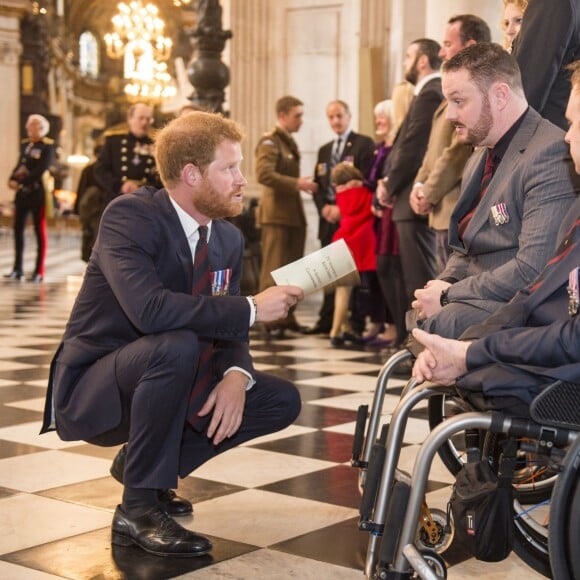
x=137 y=501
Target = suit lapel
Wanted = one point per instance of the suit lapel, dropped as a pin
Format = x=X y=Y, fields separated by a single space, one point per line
x=468 y=197
x=216 y=244
x=496 y=191
x=182 y=251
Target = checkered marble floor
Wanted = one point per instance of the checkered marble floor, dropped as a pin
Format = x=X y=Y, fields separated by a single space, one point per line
x=283 y=506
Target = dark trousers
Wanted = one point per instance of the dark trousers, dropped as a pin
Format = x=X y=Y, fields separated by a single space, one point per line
x=154 y=375
x=418 y=256
x=326 y=312
x=24 y=204
x=390 y=276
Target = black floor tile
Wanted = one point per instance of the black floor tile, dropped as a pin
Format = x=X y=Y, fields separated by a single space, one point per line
x=312 y=393
x=13 y=416
x=337 y=485
x=319 y=417
x=91 y=556
x=19 y=392
x=13 y=449
x=331 y=446
x=341 y=544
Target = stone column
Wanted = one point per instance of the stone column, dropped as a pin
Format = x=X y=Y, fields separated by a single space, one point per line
x=10 y=49
x=251 y=94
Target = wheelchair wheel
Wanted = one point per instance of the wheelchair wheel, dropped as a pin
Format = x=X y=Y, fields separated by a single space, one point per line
x=565 y=518
x=531 y=535
x=440 y=408
x=442 y=538
x=534 y=476
x=435 y=562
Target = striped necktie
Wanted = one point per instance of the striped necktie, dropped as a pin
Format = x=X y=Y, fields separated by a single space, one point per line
x=203 y=379
x=488 y=172
x=335 y=158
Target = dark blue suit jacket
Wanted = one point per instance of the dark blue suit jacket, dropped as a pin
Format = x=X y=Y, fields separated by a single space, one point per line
x=138 y=282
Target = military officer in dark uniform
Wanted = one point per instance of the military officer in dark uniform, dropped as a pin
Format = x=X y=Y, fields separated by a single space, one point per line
x=36 y=156
x=281 y=212
x=126 y=161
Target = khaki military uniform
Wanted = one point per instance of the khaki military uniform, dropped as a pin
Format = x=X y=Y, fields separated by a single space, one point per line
x=281 y=212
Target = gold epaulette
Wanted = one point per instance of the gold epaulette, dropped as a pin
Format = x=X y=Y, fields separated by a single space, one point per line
x=48 y=140
x=114 y=131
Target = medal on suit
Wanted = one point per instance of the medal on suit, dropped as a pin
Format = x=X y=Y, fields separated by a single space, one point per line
x=500 y=214
x=573 y=291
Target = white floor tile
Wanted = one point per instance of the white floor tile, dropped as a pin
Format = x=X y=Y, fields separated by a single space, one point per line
x=348 y=382
x=290 y=431
x=263 y=518
x=29 y=433
x=48 y=520
x=48 y=469
x=13 y=572
x=274 y=565
x=337 y=366
x=28 y=404
x=266 y=467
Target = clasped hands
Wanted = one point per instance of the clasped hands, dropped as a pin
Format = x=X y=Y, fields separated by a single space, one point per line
x=442 y=361
x=331 y=213
x=428 y=299
x=417 y=201
x=383 y=196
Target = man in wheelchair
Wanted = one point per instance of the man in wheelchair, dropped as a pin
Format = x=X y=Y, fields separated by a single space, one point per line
x=504 y=363
x=532 y=340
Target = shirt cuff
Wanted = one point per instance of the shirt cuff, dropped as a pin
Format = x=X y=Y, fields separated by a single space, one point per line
x=252 y=302
x=251 y=379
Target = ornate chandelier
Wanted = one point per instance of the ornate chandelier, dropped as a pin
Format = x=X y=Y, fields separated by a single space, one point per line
x=156 y=88
x=138 y=38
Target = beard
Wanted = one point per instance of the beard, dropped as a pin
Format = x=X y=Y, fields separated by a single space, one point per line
x=214 y=205
x=412 y=74
x=481 y=129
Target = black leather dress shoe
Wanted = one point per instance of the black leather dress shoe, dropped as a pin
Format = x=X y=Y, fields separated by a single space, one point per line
x=173 y=504
x=37 y=278
x=156 y=533
x=14 y=275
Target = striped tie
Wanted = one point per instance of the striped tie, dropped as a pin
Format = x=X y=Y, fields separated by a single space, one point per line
x=334 y=160
x=487 y=175
x=201 y=285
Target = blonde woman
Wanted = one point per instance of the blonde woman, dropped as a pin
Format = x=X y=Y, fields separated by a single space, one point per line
x=513 y=16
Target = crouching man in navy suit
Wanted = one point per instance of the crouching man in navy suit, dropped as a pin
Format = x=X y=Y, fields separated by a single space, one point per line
x=155 y=353
x=535 y=338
